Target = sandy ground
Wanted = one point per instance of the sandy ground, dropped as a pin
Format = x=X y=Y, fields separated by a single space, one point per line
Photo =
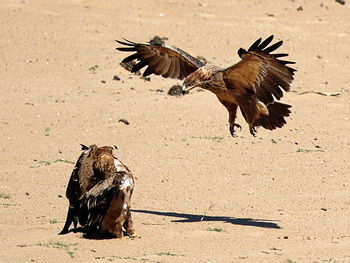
x=201 y=195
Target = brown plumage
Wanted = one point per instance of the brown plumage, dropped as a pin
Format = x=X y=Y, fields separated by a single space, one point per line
x=253 y=84
x=106 y=207
x=99 y=193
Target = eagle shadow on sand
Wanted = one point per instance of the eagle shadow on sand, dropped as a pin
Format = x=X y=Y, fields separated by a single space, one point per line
x=192 y=218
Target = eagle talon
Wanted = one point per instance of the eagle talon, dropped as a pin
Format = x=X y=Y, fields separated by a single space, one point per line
x=133 y=236
x=252 y=130
x=232 y=128
x=238 y=126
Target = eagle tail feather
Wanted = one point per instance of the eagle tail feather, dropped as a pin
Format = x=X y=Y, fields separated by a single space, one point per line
x=70 y=219
x=275 y=119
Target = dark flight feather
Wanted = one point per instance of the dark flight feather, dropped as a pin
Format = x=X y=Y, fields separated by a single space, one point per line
x=161 y=59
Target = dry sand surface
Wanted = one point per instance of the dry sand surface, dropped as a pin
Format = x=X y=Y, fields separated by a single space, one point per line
x=201 y=195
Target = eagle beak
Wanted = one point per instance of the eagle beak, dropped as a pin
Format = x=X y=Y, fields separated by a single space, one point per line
x=114 y=149
x=185 y=89
x=84 y=147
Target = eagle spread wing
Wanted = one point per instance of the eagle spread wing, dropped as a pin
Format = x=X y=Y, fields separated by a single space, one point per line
x=261 y=71
x=161 y=59
x=262 y=76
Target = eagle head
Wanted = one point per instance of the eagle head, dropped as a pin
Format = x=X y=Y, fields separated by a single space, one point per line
x=203 y=77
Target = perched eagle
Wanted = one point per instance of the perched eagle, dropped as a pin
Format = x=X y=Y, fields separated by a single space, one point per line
x=253 y=84
x=99 y=193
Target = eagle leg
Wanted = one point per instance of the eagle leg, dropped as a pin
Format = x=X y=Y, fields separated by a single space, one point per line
x=118 y=230
x=232 y=111
x=232 y=128
x=129 y=226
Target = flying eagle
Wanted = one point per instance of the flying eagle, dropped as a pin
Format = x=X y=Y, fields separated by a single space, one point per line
x=253 y=84
x=99 y=193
